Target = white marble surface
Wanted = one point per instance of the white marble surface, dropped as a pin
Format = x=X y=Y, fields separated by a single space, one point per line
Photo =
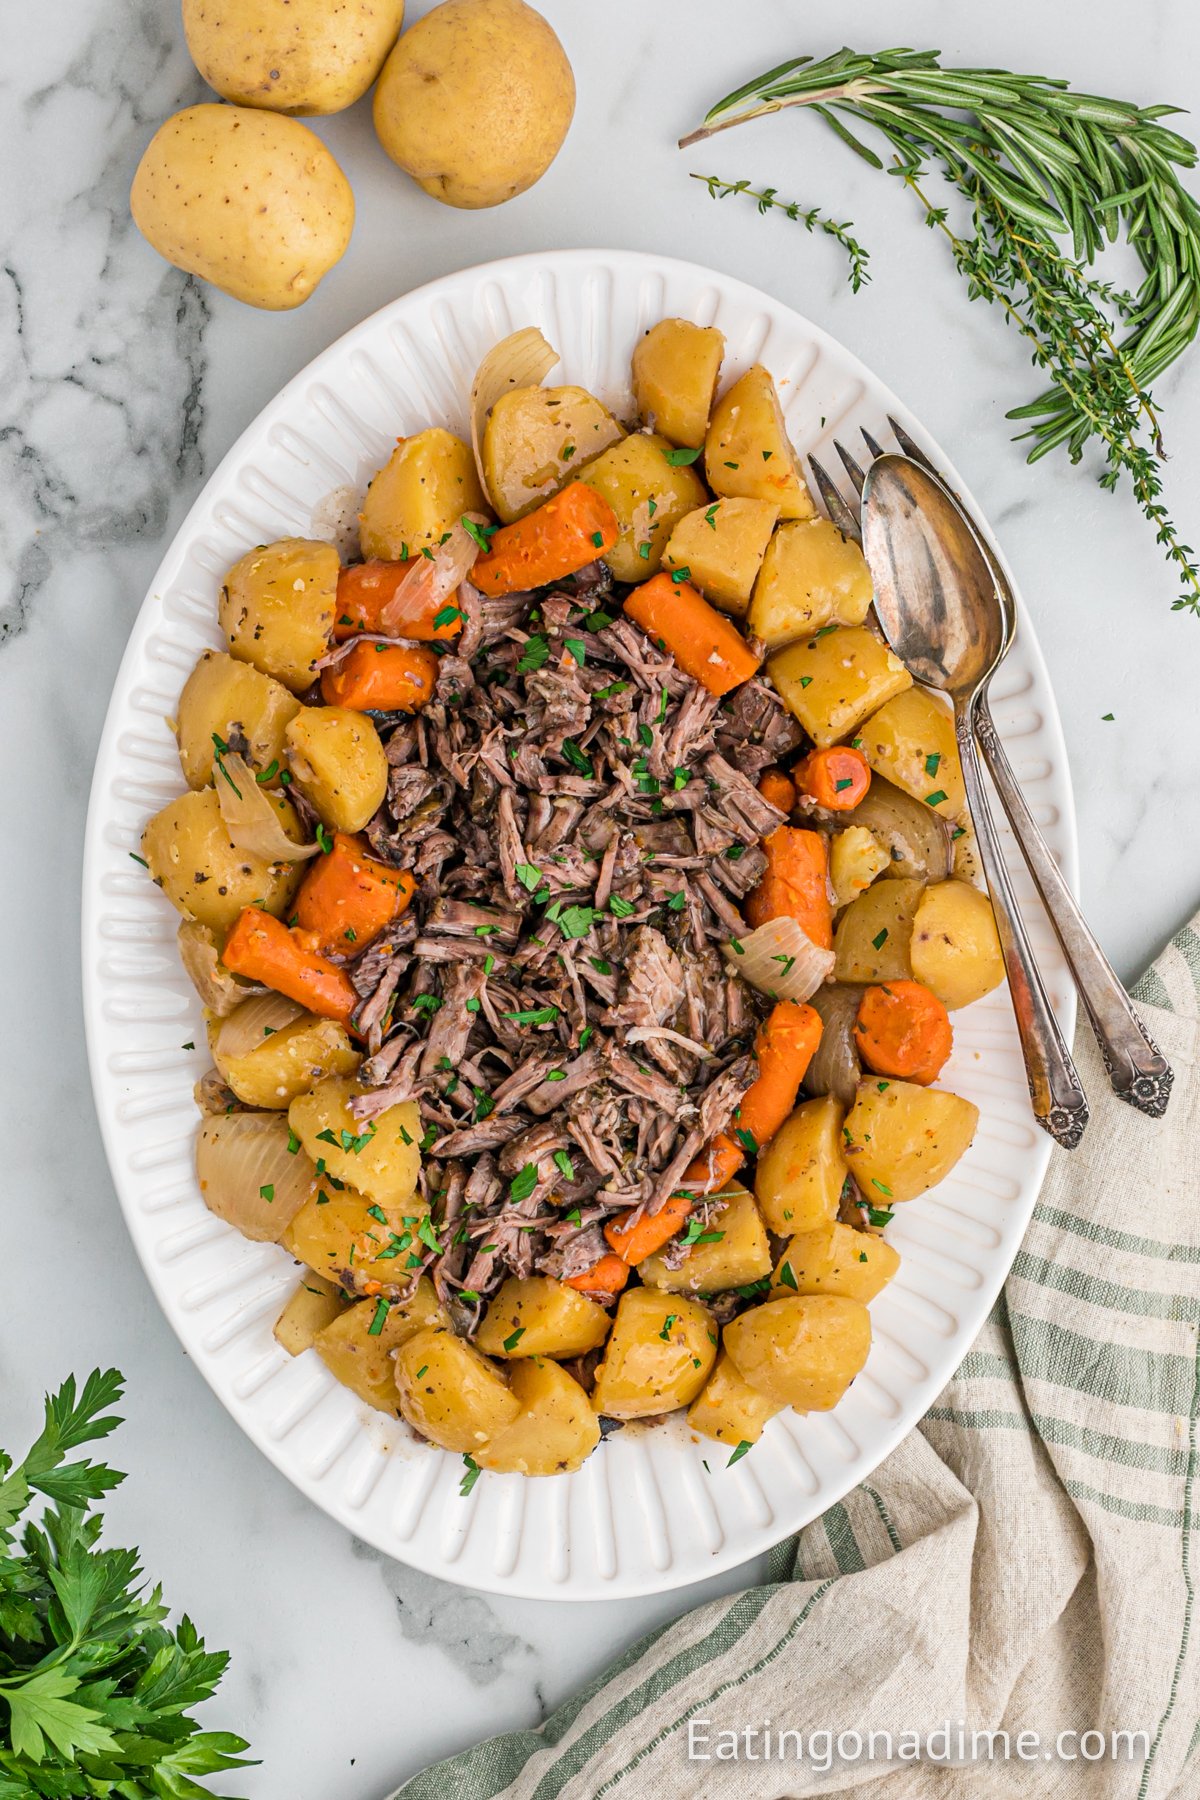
x=123 y=385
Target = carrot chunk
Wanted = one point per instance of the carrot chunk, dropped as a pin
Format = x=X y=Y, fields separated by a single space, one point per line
x=634 y=1242
x=381 y=678
x=779 y=788
x=262 y=948
x=795 y=885
x=364 y=590
x=703 y=641
x=836 y=778
x=348 y=897
x=548 y=544
x=903 y=1030
x=717 y=1164
x=785 y=1045
x=608 y=1276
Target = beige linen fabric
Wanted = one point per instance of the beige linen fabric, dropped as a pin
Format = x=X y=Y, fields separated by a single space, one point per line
x=1025 y=1560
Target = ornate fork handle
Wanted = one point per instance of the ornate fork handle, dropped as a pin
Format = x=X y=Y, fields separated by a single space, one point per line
x=1137 y=1069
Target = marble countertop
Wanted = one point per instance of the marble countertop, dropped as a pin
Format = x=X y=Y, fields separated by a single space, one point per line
x=124 y=384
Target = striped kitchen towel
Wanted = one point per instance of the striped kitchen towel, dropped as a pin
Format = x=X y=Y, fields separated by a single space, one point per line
x=1007 y=1606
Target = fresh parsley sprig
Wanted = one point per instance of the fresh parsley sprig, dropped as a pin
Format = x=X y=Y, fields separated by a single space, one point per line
x=1038 y=167
x=94 y=1686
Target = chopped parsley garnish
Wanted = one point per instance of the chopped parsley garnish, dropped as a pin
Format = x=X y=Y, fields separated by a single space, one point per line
x=510 y=1343
x=139 y=859
x=566 y=1169
x=382 y=1308
x=880 y=939
x=575 y=921
x=447 y=616
x=536 y=651
x=680 y=575
x=882 y=1186
x=578 y=650
x=879 y=1215
x=786 y=1276
x=483 y=534
x=426 y=1003
x=471 y=1477
x=293 y=1143
x=620 y=907
x=523 y=1183
x=533 y=1015
x=665 y=1333
x=269 y=773
x=738 y=1454
x=680 y=457
x=598 y=539
x=267 y=1192
x=932 y=761
x=936 y=798
x=324 y=841
x=529 y=876
x=576 y=758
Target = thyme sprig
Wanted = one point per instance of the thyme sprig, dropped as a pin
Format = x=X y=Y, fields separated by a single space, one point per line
x=812 y=219
x=1035 y=162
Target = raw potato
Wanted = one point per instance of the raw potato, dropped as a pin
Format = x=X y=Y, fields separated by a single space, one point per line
x=729 y=1409
x=276 y=608
x=872 y=938
x=361 y=1357
x=338 y=764
x=555 y=1430
x=836 y=1260
x=675 y=370
x=340 y=1235
x=206 y=876
x=856 y=857
x=315 y=1304
x=381 y=1157
x=536 y=440
x=801 y=1352
x=475 y=101
x=902 y=1139
x=247 y=1175
x=801 y=1173
x=831 y=682
x=248 y=200
x=451 y=1394
x=746 y=450
x=422 y=491
x=649 y=496
x=955 y=946
x=811 y=575
x=659 y=1355
x=306 y=57
x=545 y=1318
x=721 y=547
x=220 y=695
x=911 y=742
x=270 y=1067
x=739 y=1256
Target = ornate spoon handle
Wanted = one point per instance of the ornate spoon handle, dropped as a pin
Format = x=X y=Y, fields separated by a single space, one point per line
x=1055 y=1090
x=1138 y=1070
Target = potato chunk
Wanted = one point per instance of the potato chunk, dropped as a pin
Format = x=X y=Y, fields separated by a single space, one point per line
x=555 y=1430
x=423 y=489
x=955 y=947
x=746 y=451
x=738 y=1254
x=451 y=1394
x=538 y=439
x=675 y=370
x=276 y=608
x=361 y=1245
x=222 y=695
x=856 y=858
x=649 y=496
x=811 y=576
x=540 y=1317
x=833 y=681
x=269 y=1050
x=836 y=1259
x=315 y=1304
x=729 y=1409
x=191 y=858
x=911 y=742
x=902 y=1139
x=800 y=1173
x=720 y=549
x=358 y=1345
x=801 y=1352
x=873 y=935
x=380 y=1157
x=338 y=764
x=658 y=1357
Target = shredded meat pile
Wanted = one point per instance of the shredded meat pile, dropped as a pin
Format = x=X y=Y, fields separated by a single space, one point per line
x=583 y=823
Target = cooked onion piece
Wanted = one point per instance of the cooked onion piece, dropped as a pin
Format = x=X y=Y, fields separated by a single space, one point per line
x=836 y=1067
x=220 y=991
x=247 y=1175
x=780 y=959
x=523 y=359
x=253 y=819
x=432 y=579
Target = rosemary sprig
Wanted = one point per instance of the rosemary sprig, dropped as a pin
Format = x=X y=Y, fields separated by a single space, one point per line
x=1035 y=162
x=812 y=220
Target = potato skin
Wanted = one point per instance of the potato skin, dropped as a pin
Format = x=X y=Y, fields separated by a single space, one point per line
x=833 y=681
x=746 y=449
x=555 y=1430
x=955 y=947
x=810 y=576
x=729 y=1409
x=801 y=1352
x=308 y=57
x=740 y=1255
x=546 y=1318
x=800 y=1173
x=630 y=475
x=206 y=876
x=450 y=1393
x=902 y=1139
x=536 y=440
x=338 y=763
x=836 y=1259
x=658 y=1357
x=248 y=200
x=383 y=1159
x=475 y=100
x=423 y=489
x=873 y=935
x=276 y=608
x=675 y=369
x=220 y=694
x=721 y=547
x=361 y=1359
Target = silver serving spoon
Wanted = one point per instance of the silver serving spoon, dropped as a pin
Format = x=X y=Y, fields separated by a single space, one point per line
x=939 y=610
